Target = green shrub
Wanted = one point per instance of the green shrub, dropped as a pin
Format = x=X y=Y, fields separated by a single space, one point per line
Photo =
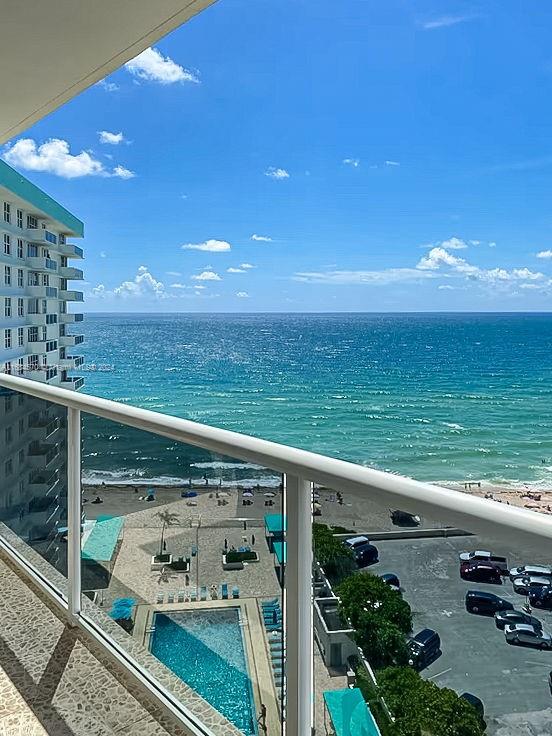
x=240 y=556
x=332 y=554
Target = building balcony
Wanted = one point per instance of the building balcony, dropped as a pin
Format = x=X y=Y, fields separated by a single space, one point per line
x=38 y=263
x=70 y=362
x=41 y=236
x=66 y=341
x=43 y=292
x=68 y=272
x=70 y=318
x=43 y=457
x=43 y=427
x=71 y=251
x=38 y=318
x=73 y=383
x=71 y=296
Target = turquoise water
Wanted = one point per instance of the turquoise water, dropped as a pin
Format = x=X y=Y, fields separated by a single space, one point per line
x=206 y=650
x=438 y=397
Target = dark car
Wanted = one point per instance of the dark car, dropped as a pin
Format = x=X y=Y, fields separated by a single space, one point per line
x=541 y=597
x=392 y=581
x=366 y=554
x=404 y=518
x=502 y=618
x=487 y=604
x=423 y=648
x=480 y=572
x=477 y=703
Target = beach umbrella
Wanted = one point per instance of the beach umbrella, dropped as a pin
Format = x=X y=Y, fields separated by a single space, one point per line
x=247 y=494
x=269 y=494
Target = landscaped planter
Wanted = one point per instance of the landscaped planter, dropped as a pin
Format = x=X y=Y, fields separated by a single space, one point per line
x=180 y=564
x=235 y=560
x=158 y=562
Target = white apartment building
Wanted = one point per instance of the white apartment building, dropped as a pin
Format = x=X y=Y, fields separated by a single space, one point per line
x=37 y=341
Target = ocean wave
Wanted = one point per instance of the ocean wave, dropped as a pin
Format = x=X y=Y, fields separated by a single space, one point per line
x=220 y=465
x=137 y=478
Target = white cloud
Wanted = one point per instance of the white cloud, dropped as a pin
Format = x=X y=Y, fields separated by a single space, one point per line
x=445 y=21
x=376 y=278
x=143 y=285
x=103 y=254
x=123 y=173
x=174 y=273
x=392 y=163
x=492 y=244
x=152 y=66
x=213 y=246
x=99 y=291
x=354 y=162
x=446 y=287
x=438 y=258
x=108 y=86
x=261 y=238
x=181 y=286
x=544 y=254
x=246 y=265
x=207 y=276
x=474 y=242
x=54 y=157
x=275 y=173
x=232 y=269
x=456 y=244
x=112 y=138
x=242 y=295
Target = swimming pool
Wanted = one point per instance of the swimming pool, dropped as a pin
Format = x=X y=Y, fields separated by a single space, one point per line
x=205 y=648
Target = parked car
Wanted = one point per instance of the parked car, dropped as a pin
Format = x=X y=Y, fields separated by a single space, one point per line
x=480 y=572
x=515 y=617
x=541 y=597
x=526 y=635
x=480 y=555
x=366 y=554
x=423 y=648
x=476 y=702
x=523 y=585
x=404 y=518
x=487 y=604
x=354 y=542
x=392 y=580
x=540 y=570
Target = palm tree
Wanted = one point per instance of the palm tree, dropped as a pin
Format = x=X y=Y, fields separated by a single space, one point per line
x=169 y=518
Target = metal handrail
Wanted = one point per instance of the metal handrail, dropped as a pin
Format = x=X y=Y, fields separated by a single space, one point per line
x=471 y=512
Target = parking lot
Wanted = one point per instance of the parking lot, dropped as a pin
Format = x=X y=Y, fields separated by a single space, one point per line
x=511 y=681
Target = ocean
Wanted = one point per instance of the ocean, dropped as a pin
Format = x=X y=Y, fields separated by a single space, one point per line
x=439 y=397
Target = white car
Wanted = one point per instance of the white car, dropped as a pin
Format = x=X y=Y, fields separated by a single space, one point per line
x=354 y=542
x=527 y=636
x=540 y=570
x=524 y=583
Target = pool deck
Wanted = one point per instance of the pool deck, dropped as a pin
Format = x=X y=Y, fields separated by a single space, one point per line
x=256 y=645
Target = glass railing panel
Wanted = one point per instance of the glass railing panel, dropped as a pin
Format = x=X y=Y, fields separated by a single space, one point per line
x=33 y=472
x=182 y=556
x=387 y=576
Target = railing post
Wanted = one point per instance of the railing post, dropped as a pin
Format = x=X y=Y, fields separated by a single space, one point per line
x=298 y=607
x=74 y=513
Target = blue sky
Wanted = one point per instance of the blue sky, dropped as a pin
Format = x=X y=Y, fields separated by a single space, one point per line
x=392 y=156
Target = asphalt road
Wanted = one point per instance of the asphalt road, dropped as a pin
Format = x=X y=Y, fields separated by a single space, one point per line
x=511 y=681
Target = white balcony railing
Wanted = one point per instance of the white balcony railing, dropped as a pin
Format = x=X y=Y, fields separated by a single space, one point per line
x=300 y=469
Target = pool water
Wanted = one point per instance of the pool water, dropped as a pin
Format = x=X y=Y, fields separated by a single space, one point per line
x=205 y=649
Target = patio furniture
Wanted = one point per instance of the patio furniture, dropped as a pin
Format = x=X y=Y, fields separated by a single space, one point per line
x=181 y=596
x=160 y=598
x=170 y=597
x=224 y=591
x=235 y=592
x=203 y=593
x=193 y=594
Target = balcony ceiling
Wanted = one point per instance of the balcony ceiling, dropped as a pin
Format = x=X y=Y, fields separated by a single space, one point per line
x=54 y=49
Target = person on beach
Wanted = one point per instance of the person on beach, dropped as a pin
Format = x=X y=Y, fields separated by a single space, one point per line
x=252 y=540
x=261 y=720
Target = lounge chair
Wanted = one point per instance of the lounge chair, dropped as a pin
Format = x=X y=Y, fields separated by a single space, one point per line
x=170 y=597
x=270 y=604
x=235 y=592
x=224 y=591
x=273 y=627
x=181 y=596
x=160 y=598
x=193 y=594
x=203 y=593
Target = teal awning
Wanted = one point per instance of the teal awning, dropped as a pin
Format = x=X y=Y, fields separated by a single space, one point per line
x=100 y=545
x=280 y=551
x=275 y=523
x=350 y=713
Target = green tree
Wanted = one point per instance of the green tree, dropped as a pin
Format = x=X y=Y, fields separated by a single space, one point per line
x=333 y=555
x=168 y=518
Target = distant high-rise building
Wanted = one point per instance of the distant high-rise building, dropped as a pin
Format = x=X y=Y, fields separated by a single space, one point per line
x=36 y=342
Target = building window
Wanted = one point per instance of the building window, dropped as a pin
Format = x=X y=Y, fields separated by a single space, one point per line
x=7 y=307
x=61 y=239
x=8 y=467
x=7 y=212
x=32 y=222
x=51 y=345
x=32 y=334
x=8 y=435
x=20 y=278
x=32 y=250
x=19 y=218
x=32 y=278
x=21 y=457
x=20 y=338
x=32 y=362
x=43 y=330
x=7 y=245
x=7 y=339
x=20 y=371
x=20 y=308
x=51 y=319
x=7 y=275
x=20 y=248
x=7 y=368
